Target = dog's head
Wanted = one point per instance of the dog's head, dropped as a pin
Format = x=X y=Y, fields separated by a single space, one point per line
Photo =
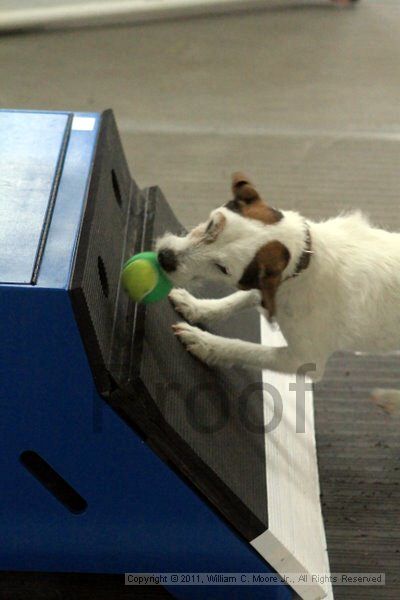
x=243 y=243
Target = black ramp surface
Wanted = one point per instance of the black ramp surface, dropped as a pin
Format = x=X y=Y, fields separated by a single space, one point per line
x=218 y=412
x=206 y=423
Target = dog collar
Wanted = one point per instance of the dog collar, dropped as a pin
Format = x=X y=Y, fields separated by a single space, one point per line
x=305 y=256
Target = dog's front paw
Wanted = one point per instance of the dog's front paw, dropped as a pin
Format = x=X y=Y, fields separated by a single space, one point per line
x=200 y=343
x=184 y=304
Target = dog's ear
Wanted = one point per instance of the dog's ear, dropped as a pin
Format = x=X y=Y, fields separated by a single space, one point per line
x=248 y=202
x=243 y=190
x=250 y=279
x=264 y=273
x=273 y=259
x=214 y=227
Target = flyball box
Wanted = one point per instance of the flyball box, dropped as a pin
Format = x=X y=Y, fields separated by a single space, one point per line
x=120 y=452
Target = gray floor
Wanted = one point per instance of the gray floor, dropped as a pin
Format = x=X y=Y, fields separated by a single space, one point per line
x=306 y=100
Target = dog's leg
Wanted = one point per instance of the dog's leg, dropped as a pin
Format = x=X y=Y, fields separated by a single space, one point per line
x=217 y=350
x=206 y=310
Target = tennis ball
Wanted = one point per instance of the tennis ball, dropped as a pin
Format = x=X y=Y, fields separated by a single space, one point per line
x=144 y=279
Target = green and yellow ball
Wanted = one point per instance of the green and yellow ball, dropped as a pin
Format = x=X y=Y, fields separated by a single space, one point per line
x=144 y=280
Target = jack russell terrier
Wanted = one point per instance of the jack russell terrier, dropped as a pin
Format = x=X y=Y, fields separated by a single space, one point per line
x=332 y=285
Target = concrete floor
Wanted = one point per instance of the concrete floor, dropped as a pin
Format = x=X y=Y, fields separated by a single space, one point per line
x=303 y=98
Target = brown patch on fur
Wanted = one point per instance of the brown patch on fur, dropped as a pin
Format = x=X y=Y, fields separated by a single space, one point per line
x=248 y=202
x=262 y=212
x=265 y=273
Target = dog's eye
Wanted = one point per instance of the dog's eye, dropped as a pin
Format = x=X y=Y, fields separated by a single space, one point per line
x=223 y=269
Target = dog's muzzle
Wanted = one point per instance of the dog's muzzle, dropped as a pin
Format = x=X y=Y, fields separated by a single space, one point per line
x=168 y=260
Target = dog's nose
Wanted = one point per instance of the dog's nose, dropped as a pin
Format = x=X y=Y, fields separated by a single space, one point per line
x=167 y=260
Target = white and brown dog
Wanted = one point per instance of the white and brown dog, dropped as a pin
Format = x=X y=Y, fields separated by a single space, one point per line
x=332 y=285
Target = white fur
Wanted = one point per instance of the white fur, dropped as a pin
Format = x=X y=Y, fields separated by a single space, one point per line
x=347 y=299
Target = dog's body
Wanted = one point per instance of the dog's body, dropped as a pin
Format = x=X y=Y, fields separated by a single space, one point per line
x=331 y=286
